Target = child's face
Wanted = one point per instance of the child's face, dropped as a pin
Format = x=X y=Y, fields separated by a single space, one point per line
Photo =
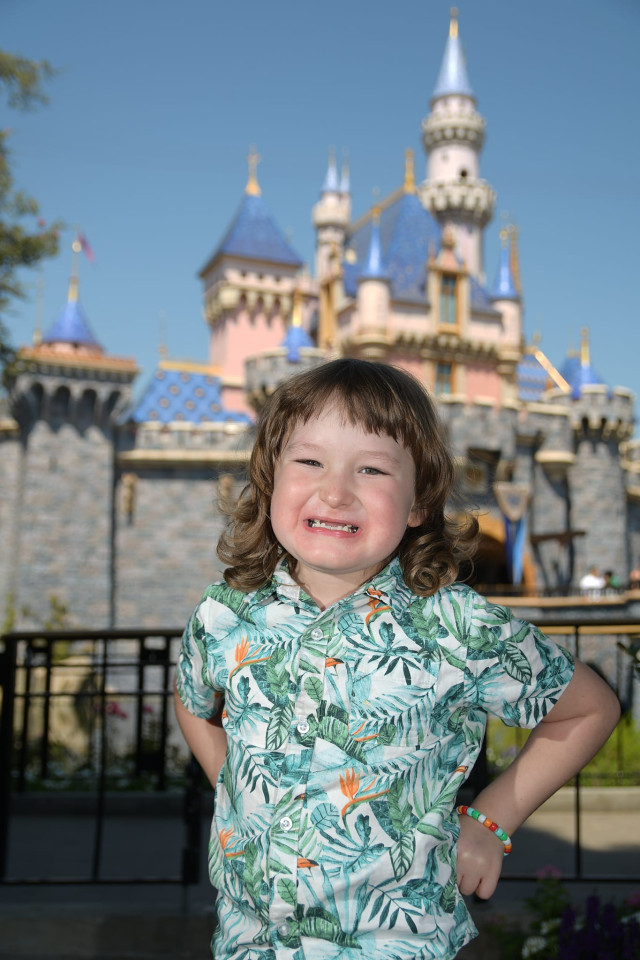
x=342 y=500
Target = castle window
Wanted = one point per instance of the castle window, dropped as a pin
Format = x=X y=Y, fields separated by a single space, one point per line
x=448 y=304
x=444 y=379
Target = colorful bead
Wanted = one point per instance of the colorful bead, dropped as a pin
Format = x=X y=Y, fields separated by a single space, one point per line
x=495 y=828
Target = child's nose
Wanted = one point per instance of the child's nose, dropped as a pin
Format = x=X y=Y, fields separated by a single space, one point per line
x=336 y=491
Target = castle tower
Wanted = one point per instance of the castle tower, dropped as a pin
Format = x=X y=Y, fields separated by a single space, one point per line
x=453 y=134
x=248 y=290
x=373 y=300
x=331 y=216
x=505 y=297
x=601 y=420
x=66 y=395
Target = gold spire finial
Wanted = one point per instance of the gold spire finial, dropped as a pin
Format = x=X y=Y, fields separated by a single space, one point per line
x=585 y=358
x=252 y=188
x=376 y=209
x=514 y=258
x=296 y=315
x=504 y=237
x=453 y=23
x=76 y=247
x=409 y=172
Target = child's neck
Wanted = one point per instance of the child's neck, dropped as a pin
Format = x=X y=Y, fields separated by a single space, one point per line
x=327 y=589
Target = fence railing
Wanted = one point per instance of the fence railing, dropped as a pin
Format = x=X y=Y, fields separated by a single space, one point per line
x=86 y=718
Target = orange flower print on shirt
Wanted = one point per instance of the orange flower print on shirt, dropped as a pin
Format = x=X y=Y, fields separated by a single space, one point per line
x=225 y=837
x=243 y=656
x=376 y=604
x=350 y=786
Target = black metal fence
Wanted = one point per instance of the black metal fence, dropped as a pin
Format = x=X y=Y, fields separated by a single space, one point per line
x=88 y=729
x=87 y=726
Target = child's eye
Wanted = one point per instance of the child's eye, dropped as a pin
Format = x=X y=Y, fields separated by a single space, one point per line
x=371 y=471
x=309 y=463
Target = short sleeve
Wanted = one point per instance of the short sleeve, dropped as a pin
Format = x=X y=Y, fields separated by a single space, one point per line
x=513 y=670
x=194 y=680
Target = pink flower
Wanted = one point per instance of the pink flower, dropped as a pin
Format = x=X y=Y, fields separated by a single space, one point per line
x=549 y=870
x=115 y=710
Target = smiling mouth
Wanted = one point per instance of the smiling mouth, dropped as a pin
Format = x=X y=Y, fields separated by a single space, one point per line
x=325 y=525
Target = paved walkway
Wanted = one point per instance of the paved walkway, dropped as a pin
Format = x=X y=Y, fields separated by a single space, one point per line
x=154 y=923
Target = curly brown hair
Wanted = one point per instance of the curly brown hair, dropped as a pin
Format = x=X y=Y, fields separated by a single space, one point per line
x=381 y=399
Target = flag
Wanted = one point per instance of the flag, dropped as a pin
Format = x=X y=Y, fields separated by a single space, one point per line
x=86 y=249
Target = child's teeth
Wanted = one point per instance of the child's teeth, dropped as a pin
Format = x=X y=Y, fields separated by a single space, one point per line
x=347 y=527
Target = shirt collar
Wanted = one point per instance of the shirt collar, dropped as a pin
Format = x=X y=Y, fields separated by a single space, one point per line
x=389 y=582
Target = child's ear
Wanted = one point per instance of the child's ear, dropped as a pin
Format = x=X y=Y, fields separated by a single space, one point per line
x=416 y=517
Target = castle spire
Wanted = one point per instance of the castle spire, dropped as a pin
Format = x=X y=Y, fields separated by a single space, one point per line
x=331 y=180
x=374 y=267
x=345 y=184
x=453 y=78
x=409 y=185
x=505 y=287
x=585 y=353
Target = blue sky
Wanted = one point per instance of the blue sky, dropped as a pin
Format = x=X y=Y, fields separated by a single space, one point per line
x=145 y=140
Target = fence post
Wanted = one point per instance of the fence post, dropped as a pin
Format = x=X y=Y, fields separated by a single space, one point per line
x=8 y=686
x=193 y=824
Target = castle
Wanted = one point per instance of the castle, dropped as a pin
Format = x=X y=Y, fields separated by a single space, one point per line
x=113 y=506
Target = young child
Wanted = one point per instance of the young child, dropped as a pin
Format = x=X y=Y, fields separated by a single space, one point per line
x=356 y=678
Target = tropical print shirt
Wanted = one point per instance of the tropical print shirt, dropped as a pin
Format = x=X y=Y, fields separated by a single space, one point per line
x=350 y=731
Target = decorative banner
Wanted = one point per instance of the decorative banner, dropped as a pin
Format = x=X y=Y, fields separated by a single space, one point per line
x=513 y=500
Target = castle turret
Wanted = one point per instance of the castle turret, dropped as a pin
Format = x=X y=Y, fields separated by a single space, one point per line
x=248 y=289
x=373 y=300
x=505 y=297
x=331 y=216
x=453 y=135
x=66 y=395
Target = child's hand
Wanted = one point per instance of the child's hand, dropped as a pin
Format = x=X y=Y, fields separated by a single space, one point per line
x=480 y=856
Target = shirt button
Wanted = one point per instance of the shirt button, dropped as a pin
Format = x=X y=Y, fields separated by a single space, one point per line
x=303 y=727
x=317 y=634
x=286 y=823
x=284 y=929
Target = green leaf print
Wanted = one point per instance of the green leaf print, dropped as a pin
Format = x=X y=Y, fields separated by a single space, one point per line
x=449 y=895
x=313 y=686
x=399 y=808
x=287 y=890
x=234 y=600
x=253 y=877
x=515 y=663
x=277 y=674
x=386 y=734
x=326 y=817
x=402 y=854
x=318 y=922
x=279 y=725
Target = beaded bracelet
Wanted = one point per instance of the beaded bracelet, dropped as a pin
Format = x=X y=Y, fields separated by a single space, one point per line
x=489 y=824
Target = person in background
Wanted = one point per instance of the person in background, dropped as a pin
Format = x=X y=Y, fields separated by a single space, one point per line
x=592 y=584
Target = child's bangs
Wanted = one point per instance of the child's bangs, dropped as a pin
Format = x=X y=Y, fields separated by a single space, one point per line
x=362 y=404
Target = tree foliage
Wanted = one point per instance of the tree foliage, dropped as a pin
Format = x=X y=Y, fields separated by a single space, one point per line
x=24 y=240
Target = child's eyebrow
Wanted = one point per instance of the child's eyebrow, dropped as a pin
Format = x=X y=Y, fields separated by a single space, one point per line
x=304 y=446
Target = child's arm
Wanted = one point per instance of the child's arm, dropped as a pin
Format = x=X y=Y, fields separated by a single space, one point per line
x=566 y=739
x=206 y=739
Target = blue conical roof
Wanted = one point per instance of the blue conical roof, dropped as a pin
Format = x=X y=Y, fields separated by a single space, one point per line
x=407 y=231
x=453 y=78
x=296 y=338
x=331 y=184
x=71 y=326
x=254 y=235
x=374 y=268
x=504 y=287
x=579 y=375
x=577 y=369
